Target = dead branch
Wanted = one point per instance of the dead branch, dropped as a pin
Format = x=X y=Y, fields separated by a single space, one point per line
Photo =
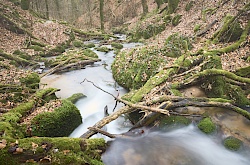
x=128 y=108
x=102 y=132
x=202 y=32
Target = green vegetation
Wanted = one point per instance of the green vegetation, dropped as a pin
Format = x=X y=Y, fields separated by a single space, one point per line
x=172 y=6
x=55 y=151
x=32 y=80
x=78 y=43
x=189 y=5
x=61 y=122
x=25 y=4
x=116 y=45
x=176 y=20
x=176 y=45
x=207 y=126
x=231 y=30
x=103 y=49
x=75 y=97
x=173 y=121
x=197 y=27
x=232 y=143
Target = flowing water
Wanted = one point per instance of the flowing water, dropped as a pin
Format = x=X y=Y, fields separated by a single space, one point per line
x=184 y=146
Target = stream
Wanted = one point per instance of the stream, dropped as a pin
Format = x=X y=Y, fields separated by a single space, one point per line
x=183 y=146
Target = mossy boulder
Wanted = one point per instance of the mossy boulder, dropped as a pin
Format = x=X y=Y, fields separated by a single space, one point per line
x=173 y=122
x=176 y=45
x=103 y=49
x=61 y=122
x=116 y=45
x=78 y=43
x=232 y=143
x=206 y=125
x=75 y=97
x=132 y=69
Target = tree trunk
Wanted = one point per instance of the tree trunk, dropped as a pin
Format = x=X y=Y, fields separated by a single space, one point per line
x=144 y=7
x=101 y=14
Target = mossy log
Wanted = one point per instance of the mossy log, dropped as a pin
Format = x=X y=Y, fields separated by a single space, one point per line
x=73 y=66
x=213 y=72
x=45 y=150
x=20 y=61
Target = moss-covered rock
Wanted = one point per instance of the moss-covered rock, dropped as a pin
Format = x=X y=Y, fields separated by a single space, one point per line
x=232 y=143
x=61 y=122
x=207 y=126
x=176 y=45
x=103 y=49
x=132 y=69
x=174 y=121
x=116 y=45
x=78 y=43
x=75 y=97
x=236 y=94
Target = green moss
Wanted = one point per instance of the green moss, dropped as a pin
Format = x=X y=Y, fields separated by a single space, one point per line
x=103 y=49
x=197 y=27
x=36 y=48
x=189 y=5
x=176 y=20
x=25 y=4
x=37 y=43
x=32 y=80
x=6 y=158
x=232 y=143
x=78 y=43
x=207 y=126
x=132 y=69
x=65 y=150
x=244 y=71
x=176 y=45
x=90 y=45
x=61 y=122
x=22 y=54
x=173 y=121
x=75 y=97
x=117 y=45
x=236 y=94
x=6 y=127
x=172 y=6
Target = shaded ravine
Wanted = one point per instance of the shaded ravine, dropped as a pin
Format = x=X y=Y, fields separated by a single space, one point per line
x=92 y=106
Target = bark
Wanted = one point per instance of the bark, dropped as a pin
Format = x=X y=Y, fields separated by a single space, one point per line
x=102 y=14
